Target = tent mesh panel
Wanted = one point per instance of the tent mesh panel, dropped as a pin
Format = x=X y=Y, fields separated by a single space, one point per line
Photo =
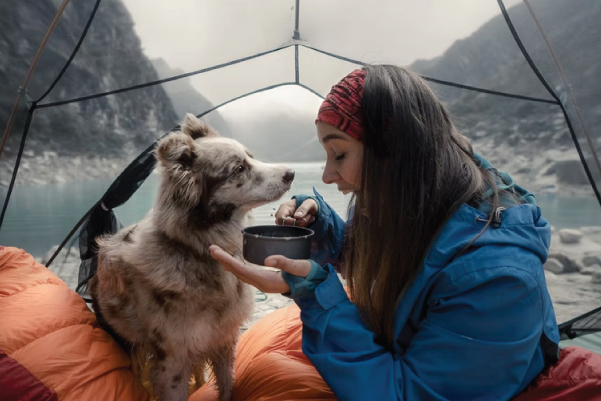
x=561 y=69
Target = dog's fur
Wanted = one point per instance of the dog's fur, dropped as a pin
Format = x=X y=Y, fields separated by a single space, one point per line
x=157 y=289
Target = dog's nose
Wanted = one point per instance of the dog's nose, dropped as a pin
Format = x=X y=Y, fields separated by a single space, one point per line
x=289 y=176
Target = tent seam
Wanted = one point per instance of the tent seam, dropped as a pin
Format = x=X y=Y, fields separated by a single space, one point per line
x=161 y=81
x=447 y=83
x=18 y=161
x=536 y=71
x=75 y=50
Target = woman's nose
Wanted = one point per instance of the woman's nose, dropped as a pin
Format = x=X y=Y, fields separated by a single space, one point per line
x=329 y=175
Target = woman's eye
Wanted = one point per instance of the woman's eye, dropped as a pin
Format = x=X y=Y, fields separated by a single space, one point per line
x=340 y=157
x=239 y=170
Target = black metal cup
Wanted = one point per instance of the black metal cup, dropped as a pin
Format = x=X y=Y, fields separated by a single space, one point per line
x=261 y=242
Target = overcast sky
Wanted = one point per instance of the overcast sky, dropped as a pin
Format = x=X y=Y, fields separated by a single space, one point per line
x=194 y=34
x=191 y=34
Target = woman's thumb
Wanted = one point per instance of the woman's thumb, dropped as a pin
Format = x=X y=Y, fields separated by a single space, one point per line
x=308 y=207
x=300 y=213
x=296 y=267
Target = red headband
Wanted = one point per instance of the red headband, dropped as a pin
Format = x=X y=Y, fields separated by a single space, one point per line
x=342 y=107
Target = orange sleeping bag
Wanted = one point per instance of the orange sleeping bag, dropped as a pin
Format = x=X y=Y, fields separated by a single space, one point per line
x=270 y=364
x=50 y=345
x=52 y=349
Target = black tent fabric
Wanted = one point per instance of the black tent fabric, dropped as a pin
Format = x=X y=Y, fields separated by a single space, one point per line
x=585 y=324
x=85 y=89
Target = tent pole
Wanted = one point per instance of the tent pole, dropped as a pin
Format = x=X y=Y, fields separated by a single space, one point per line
x=32 y=66
x=566 y=85
x=536 y=71
x=296 y=21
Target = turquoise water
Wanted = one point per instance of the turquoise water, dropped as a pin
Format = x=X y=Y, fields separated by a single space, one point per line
x=39 y=217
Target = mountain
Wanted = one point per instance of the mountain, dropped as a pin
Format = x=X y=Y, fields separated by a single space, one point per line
x=257 y=134
x=103 y=133
x=96 y=138
x=282 y=136
x=490 y=59
x=530 y=139
x=186 y=99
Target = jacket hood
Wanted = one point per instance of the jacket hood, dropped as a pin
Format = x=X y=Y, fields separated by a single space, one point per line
x=520 y=225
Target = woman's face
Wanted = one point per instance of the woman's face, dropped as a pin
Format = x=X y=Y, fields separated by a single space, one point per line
x=344 y=158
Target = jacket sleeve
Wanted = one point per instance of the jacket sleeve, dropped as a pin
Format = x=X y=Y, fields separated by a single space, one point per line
x=477 y=343
x=329 y=231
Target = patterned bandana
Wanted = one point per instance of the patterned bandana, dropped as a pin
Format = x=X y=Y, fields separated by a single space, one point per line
x=342 y=107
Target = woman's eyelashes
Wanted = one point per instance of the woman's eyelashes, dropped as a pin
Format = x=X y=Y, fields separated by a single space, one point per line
x=340 y=156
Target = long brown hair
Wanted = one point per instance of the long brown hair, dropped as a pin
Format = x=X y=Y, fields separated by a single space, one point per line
x=417 y=170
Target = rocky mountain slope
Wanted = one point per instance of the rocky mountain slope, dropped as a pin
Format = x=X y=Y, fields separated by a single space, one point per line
x=530 y=140
x=186 y=99
x=96 y=138
x=89 y=139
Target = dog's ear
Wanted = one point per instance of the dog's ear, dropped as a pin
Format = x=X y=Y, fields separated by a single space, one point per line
x=197 y=129
x=176 y=150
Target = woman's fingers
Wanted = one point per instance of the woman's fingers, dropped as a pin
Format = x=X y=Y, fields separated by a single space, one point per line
x=265 y=280
x=300 y=268
x=307 y=208
x=286 y=209
x=302 y=222
x=288 y=215
x=270 y=282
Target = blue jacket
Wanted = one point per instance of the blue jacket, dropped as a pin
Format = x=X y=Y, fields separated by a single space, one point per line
x=468 y=328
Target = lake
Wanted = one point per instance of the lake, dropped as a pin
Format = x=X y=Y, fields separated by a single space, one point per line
x=39 y=217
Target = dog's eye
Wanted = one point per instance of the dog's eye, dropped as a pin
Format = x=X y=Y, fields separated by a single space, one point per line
x=239 y=170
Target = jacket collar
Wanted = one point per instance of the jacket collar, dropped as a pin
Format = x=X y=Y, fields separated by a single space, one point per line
x=520 y=225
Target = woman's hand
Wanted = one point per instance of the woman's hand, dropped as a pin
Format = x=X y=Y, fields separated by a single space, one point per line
x=268 y=281
x=289 y=215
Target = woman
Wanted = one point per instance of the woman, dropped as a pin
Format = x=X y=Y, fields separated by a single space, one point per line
x=443 y=255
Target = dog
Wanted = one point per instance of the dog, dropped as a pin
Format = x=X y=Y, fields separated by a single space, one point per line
x=157 y=290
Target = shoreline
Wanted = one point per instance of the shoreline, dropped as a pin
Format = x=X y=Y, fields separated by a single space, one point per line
x=51 y=169
x=76 y=170
x=67 y=269
x=548 y=172
x=572 y=273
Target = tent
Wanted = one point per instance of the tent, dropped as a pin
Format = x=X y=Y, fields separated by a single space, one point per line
x=89 y=86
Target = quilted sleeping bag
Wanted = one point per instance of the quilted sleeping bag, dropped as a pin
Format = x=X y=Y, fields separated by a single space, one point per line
x=50 y=345
x=52 y=349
